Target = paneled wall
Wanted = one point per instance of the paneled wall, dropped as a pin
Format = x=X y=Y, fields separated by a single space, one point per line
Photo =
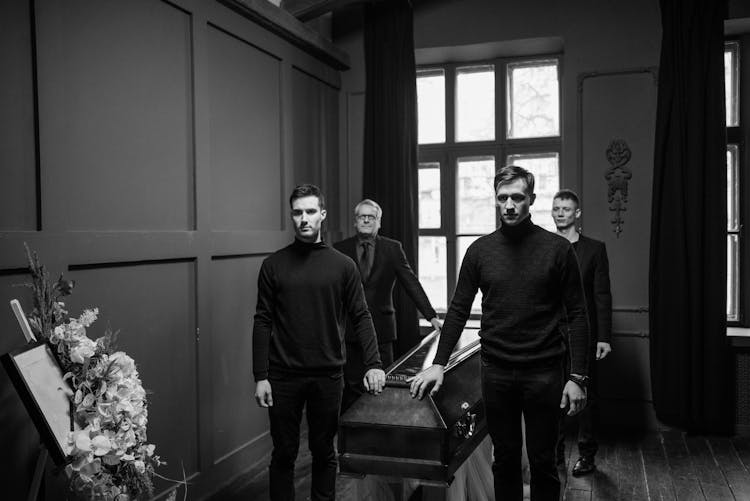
x=147 y=151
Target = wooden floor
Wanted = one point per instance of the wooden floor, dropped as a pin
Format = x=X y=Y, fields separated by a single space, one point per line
x=659 y=466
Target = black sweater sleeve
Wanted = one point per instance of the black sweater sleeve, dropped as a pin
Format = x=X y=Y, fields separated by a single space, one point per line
x=263 y=323
x=459 y=310
x=361 y=320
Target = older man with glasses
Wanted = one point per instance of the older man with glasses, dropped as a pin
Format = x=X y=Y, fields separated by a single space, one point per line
x=381 y=262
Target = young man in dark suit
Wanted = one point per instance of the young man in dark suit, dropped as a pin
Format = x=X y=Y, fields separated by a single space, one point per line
x=592 y=258
x=381 y=262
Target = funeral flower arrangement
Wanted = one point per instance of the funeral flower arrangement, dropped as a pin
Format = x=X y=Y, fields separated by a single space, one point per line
x=110 y=456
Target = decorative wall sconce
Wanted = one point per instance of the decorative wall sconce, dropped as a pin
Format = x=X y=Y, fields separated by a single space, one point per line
x=617 y=176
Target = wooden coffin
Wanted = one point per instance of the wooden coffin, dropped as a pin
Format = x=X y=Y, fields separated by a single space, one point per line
x=395 y=435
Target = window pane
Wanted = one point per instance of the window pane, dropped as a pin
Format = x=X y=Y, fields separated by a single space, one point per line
x=475 y=198
x=533 y=100
x=463 y=243
x=546 y=172
x=431 y=106
x=731 y=83
x=433 y=271
x=429 y=195
x=733 y=188
x=733 y=277
x=475 y=103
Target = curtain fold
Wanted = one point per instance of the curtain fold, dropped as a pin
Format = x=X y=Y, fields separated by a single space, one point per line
x=390 y=142
x=691 y=367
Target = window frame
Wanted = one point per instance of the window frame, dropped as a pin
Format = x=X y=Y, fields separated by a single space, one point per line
x=738 y=135
x=448 y=153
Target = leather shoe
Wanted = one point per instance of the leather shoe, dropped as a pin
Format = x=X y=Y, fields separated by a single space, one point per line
x=583 y=466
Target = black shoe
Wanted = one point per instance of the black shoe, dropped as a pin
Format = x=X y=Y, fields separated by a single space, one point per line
x=583 y=466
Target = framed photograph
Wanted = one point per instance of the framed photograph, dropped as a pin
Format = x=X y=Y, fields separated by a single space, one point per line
x=38 y=379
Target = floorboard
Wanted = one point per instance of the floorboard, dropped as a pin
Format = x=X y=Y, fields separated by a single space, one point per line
x=659 y=485
x=734 y=471
x=666 y=466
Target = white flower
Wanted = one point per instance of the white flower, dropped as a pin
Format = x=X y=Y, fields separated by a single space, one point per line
x=82 y=350
x=88 y=317
x=88 y=400
x=124 y=363
x=57 y=334
x=81 y=439
x=140 y=466
x=101 y=445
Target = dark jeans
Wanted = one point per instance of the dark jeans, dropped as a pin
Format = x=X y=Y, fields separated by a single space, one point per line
x=354 y=371
x=322 y=397
x=534 y=392
x=587 y=419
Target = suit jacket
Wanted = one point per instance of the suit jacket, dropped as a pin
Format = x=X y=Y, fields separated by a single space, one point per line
x=592 y=259
x=389 y=264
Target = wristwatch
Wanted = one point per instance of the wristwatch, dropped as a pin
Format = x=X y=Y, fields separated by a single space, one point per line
x=582 y=381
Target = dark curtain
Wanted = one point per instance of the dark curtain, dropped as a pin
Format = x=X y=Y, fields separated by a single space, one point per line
x=691 y=366
x=390 y=145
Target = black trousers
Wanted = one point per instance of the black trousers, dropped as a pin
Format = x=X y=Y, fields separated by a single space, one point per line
x=534 y=392
x=321 y=395
x=587 y=419
x=354 y=371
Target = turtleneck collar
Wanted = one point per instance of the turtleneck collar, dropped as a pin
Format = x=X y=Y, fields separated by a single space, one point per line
x=519 y=230
x=306 y=246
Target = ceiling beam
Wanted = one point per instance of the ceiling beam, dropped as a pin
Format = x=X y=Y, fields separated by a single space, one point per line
x=305 y=10
x=284 y=24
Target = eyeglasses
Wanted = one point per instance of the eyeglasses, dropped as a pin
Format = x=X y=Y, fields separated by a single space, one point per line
x=366 y=217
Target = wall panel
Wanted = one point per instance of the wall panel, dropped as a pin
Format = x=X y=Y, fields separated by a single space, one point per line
x=620 y=106
x=166 y=145
x=18 y=193
x=613 y=105
x=116 y=114
x=315 y=137
x=245 y=143
x=238 y=421
x=306 y=129
x=153 y=307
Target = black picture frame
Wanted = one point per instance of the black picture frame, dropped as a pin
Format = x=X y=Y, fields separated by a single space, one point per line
x=38 y=379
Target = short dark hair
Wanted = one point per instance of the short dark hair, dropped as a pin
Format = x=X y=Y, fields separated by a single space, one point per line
x=308 y=190
x=510 y=173
x=566 y=194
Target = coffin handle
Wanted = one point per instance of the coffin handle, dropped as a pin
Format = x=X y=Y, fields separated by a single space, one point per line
x=467 y=423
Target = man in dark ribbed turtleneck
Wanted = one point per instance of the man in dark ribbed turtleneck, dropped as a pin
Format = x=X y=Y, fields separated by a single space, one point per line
x=532 y=292
x=305 y=292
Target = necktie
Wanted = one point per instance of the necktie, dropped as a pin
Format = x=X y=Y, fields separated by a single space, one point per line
x=364 y=262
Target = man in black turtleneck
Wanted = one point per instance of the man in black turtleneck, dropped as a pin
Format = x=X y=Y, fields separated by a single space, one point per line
x=531 y=287
x=305 y=292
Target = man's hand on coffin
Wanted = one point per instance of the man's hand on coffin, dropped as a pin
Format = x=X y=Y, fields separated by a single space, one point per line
x=430 y=377
x=573 y=396
x=263 y=393
x=374 y=381
x=436 y=324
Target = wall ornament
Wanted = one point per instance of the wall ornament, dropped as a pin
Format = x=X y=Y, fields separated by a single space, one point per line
x=617 y=176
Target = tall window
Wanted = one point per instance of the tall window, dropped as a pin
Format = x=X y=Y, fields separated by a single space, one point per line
x=738 y=182
x=473 y=119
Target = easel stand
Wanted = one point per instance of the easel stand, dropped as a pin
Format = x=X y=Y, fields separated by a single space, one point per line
x=36 y=491
x=37 y=481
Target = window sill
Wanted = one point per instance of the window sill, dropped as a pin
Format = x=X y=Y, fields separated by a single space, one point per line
x=739 y=336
